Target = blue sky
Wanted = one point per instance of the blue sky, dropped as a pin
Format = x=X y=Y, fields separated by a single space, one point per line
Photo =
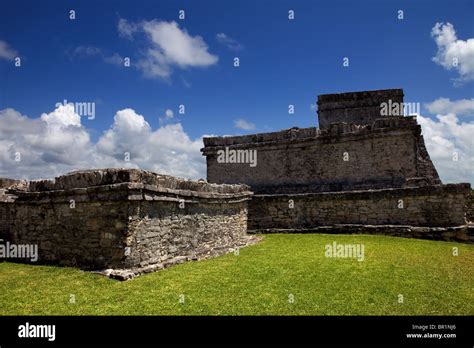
x=282 y=61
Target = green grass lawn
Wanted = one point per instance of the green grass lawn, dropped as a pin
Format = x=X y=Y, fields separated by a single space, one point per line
x=260 y=280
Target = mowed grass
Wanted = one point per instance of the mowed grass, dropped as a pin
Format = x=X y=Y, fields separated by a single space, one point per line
x=261 y=280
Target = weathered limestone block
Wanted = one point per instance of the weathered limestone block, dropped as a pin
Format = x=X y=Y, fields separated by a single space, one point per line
x=429 y=206
x=126 y=219
x=358 y=108
x=386 y=153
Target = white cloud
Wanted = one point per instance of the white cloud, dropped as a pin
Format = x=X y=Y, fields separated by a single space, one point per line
x=63 y=116
x=229 y=42
x=177 y=46
x=47 y=145
x=91 y=51
x=6 y=52
x=445 y=138
x=170 y=46
x=243 y=124
x=186 y=83
x=169 y=113
x=57 y=143
x=126 y=29
x=445 y=106
x=154 y=65
x=114 y=59
x=87 y=51
x=167 y=150
x=454 y=53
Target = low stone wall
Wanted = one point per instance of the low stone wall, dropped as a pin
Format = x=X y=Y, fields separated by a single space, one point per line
x=159 y=230
x=428 y=206
x=464 y=234
x=126 y=219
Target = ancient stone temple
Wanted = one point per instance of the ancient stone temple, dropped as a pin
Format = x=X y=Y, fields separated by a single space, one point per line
x=359 y=171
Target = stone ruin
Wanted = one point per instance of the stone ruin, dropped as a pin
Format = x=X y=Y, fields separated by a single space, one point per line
x=358 y=172
x=124 y=222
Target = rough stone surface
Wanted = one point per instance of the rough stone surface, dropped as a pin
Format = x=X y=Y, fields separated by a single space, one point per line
x=355 y=107
x=428 y=206
x=387 y=153
x=125 y=219
x=204 y=253
x=464 y=234
x=354 y=170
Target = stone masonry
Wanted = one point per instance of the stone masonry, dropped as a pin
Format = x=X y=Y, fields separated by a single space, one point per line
x=124 y=221
x=359 y=108
x=358 y=171
x=389 y=152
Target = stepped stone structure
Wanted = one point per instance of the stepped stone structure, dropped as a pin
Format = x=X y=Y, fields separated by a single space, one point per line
x=124 y=221
x=358 y=172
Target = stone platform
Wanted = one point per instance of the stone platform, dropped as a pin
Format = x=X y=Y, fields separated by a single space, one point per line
x=360 y=169
x=126 y=221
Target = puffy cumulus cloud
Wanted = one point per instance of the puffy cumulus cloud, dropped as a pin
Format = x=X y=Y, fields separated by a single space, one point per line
x=453 y=53
x=169 y=47
x=446 y=138
x=125 y=136
x=47 y=146
x=63 y=116
x=178 y=153
x=445 y=105
x=57 y=143
x=243 y=124
x=167 y=150
x=6 y=52
x=63 y=139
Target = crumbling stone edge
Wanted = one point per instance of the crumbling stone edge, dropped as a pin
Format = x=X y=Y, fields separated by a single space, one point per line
x=464 y=233
x=209 y=252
